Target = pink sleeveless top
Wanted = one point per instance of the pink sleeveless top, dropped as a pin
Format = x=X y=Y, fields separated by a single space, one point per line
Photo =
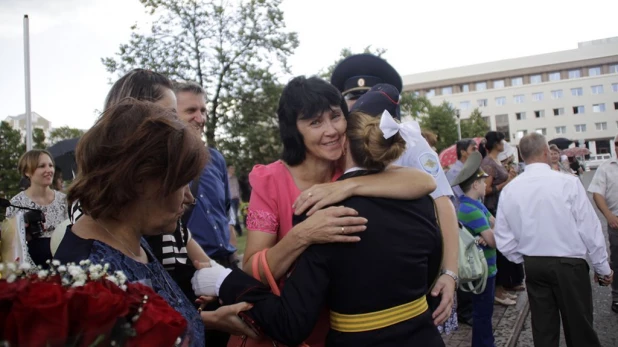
x=273 y=191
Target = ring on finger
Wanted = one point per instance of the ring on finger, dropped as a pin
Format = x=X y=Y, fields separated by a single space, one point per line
x=342 y=230
x=309 y=195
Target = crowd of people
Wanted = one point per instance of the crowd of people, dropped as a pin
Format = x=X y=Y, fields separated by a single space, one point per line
x=352 y=236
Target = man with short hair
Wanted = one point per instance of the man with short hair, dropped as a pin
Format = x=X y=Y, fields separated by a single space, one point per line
x=210 y=220
x=604 y=189
x=464 y=148
x=546 y=221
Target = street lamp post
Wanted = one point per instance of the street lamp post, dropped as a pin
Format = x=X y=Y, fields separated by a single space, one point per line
x=458 y=124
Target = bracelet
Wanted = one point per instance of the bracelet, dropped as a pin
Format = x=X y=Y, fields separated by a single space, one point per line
x=452 y=275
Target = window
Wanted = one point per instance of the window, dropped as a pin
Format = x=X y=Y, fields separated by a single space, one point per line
x=521 y=133
x=601 y=126
x=537 y=96
x=596 y=108
x=520 y=115
x=430 y=93
x=597 y=89
x=594 y=71
x=518 y=99
x=556 y=94
x=447 y=90
x=464 y=105
x=580 y=128
x=558 y=111
x=577 y=91
x=465 y=88
x=498 y=84
x=613 y=69
x=578 y=109
x=554 y=76
x=482 y=102
x=481 y=86
x=539 y=114
x=517 y=81
x=561 y=130
x=541 y=131
x=501 y=101
x=534 y=79
x=615 y=87
x=574 y=73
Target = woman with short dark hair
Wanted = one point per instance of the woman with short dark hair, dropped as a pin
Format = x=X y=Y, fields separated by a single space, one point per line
x=312 y=121
x=377 y=303
x=134 y=164
x=509 y=274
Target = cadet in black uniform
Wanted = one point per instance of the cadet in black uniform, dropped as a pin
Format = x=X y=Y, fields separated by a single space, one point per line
x=354 y=77
x=375 y=289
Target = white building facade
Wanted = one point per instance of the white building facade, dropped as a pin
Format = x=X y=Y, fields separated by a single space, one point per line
x=571 y=94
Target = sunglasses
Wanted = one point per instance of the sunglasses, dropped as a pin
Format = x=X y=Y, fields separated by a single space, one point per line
x=355 y=95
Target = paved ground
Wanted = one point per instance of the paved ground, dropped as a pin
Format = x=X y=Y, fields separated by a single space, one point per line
x=605 y=321
x=503 y=322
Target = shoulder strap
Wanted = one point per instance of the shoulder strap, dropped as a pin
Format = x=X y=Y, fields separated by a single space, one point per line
x=269 y=275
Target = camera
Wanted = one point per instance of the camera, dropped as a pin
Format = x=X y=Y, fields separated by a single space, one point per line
x=34 y=221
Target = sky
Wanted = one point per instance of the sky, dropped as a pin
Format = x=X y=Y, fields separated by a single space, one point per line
x=68 y=38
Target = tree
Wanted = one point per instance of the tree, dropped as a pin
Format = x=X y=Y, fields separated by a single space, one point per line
x=441 y=121
x=474 y=126
x=64 y=133
x=38 y=139
x=252 y=136
x=413 y=105
x=217 y=44
x=10 y=151
x=346 y=52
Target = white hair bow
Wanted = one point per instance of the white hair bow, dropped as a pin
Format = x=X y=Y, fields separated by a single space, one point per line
x=410 y=131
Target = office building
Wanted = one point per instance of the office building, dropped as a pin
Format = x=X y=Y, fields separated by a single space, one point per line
x=571 y=94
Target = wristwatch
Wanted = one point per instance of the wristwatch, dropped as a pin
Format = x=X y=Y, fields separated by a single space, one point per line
x=452 y=275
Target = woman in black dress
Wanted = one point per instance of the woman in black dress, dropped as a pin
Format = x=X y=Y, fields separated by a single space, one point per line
x=375 y=289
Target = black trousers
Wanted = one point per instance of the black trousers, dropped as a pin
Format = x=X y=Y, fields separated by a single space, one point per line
x=509 y=274
x=560 y=288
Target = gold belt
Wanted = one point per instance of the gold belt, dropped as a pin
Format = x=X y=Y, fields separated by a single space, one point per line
x=354 y=323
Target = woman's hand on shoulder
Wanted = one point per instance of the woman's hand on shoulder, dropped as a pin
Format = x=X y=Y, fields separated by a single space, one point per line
x=321 y=195
x=333 y=224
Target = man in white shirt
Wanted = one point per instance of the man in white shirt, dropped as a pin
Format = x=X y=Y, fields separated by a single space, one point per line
x=546 y=221
x=604 y=189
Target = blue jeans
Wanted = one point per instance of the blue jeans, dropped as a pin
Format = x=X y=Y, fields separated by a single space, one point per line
x=482 y=311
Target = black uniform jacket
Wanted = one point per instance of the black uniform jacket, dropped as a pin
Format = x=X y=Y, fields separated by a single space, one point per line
x=395 y=263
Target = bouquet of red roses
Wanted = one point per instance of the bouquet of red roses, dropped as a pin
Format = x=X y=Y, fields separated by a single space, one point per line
x=82 y=305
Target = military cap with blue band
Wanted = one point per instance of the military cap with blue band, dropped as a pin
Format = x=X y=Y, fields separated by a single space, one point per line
x=471 y=168
x=360 y=72
x=379 y=98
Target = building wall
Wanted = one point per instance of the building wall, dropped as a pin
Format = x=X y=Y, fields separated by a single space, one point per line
x=594 y=62
x=529 y=121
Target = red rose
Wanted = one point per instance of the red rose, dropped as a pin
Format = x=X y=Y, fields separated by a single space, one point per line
x=8 y=292
x=94 y=309
x=159 y=324
x=39 y=316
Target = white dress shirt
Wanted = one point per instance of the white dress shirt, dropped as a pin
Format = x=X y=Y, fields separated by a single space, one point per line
x=547 y=213
x=422 y=157
x=605 y=183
